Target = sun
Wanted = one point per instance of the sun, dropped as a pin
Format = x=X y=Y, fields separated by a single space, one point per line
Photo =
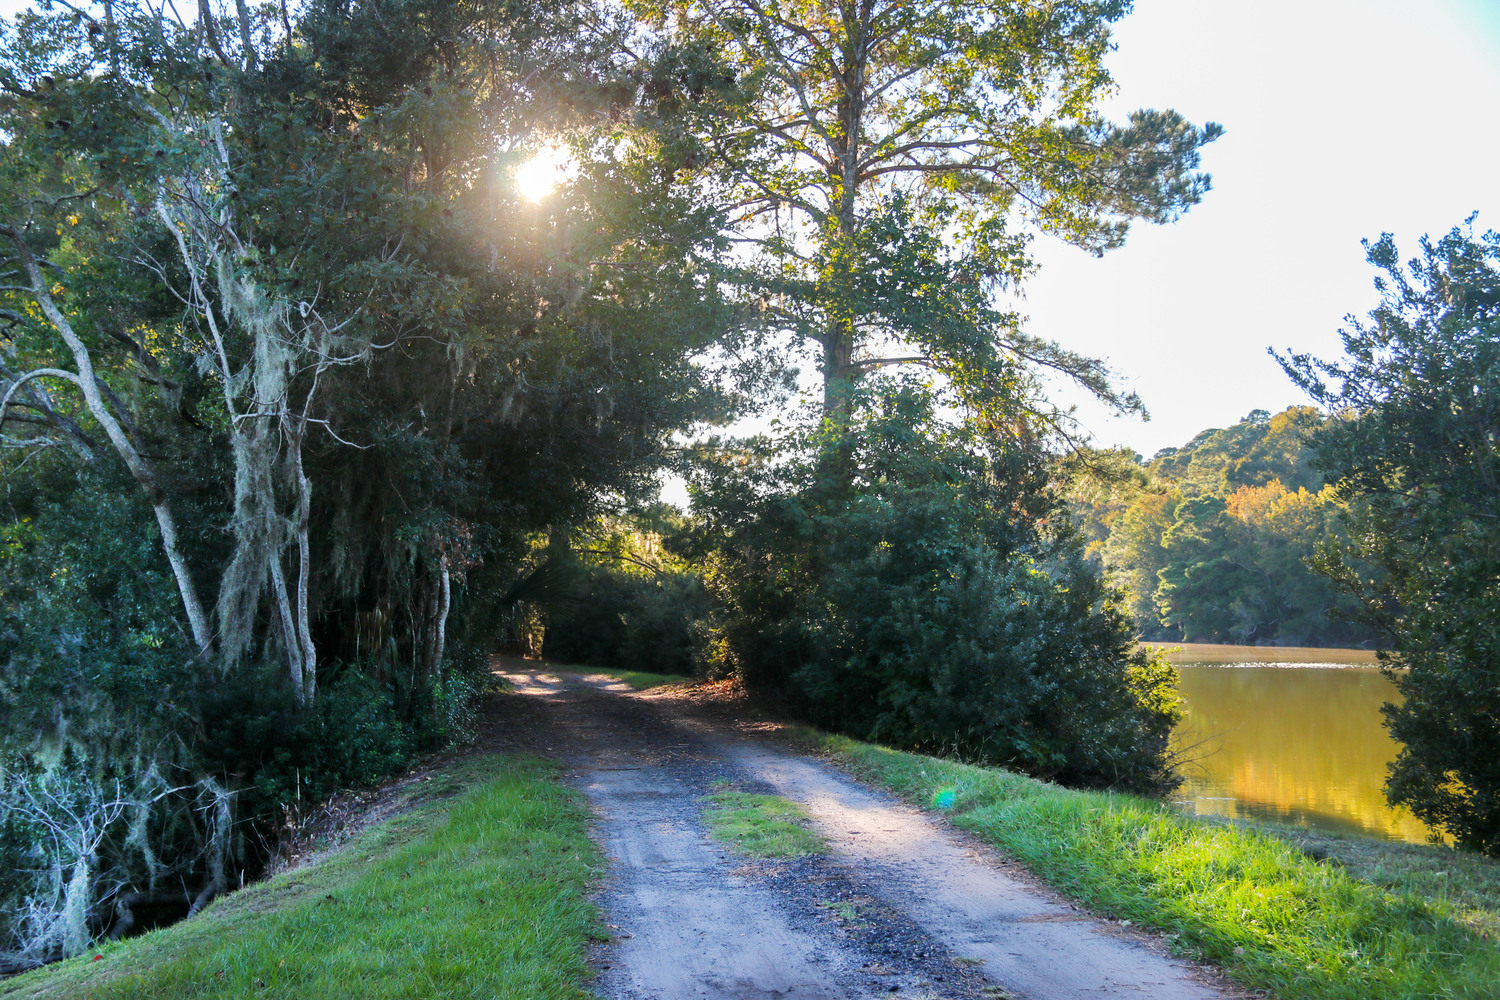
x=539 y=176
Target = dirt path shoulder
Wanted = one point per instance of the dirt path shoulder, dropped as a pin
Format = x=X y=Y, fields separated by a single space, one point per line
x=898 y=905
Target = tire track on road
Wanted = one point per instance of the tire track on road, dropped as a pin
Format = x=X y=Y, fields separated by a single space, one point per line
x=899 y=905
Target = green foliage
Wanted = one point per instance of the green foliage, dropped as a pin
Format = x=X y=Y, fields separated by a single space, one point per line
x=93 y=662
x=1413 y=454
x=888 y=165
x=96 y=692
x=629 y=604
x=891 y=162
x=1260 y=448
x=102 y=703
x=280 y=756
x=931 y=607
x=339 y=358
x=1212 y=540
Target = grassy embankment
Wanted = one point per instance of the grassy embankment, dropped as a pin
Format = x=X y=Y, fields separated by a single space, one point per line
x=484 y=894
x=1300 y=915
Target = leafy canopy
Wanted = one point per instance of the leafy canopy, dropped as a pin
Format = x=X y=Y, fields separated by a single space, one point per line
x=888 y=161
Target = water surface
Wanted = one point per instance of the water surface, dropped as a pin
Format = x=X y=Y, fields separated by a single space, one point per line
x=1290 y=736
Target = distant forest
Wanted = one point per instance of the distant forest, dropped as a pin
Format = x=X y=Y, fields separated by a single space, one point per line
x=1216 y=541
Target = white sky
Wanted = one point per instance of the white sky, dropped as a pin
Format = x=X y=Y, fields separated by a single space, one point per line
x=1344 y=119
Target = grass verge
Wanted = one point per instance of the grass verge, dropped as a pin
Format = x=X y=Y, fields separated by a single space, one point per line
x=481 y=895
x=1259 y=905
x=766 y=826
x=1466 y=884
x=643 y=681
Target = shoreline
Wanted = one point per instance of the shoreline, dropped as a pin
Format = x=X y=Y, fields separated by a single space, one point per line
x=1209 y=653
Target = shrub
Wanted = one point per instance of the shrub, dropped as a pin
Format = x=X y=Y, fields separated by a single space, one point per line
x=628 y=619
x=1415 y=457
x=1018 y=662
x=933 y=605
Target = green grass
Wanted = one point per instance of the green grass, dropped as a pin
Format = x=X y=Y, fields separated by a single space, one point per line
x=1345 y=922
x=847 y=912
x=639 y=679
x=1467 y=884
x=642 y=681
x=481 y=895
x=766 y=826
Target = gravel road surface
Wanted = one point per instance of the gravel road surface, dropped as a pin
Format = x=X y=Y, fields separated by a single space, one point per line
x=899 y=905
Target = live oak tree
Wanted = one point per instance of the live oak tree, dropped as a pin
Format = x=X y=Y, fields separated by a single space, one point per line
x=1414 y=452
x=546 y=381
x=888 y=162
x=275 y=279
x=144 y=115
x=306 y=202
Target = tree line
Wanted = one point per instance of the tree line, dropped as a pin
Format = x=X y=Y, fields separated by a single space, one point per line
x=1215 y=540
x=1392 y=533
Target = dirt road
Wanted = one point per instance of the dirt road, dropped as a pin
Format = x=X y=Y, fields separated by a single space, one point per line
x=898 y=905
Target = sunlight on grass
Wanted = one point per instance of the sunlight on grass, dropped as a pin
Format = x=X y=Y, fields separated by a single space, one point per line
x=761 y=825
x=482 y=895
x=643 y=681
x=1272 y=915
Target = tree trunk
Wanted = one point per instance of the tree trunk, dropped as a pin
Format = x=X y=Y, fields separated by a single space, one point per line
x=304 y=568
x=440 y=636
x=140 y=468
x=840 y=337
x=289 y=634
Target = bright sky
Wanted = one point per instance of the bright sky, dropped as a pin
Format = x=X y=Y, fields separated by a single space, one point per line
x=1344 y=119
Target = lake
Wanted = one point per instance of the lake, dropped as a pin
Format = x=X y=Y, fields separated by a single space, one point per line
x=1292 y=735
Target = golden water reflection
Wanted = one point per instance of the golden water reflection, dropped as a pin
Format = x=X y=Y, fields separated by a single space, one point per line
x=1294 y=743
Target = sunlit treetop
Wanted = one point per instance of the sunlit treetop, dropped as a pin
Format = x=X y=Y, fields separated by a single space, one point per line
x=893 y=160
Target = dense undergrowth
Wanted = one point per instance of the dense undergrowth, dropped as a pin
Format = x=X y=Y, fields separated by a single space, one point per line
x=482 y=894
x=1348 y=926
x=136 y=783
